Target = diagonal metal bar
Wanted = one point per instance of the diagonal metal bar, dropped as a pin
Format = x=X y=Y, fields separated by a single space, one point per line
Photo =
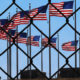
x=58 y=10
x=74 y=12
x=58 y=30
x=58 y=71
x=74 y=53
x=39 y=52
x=6 y=32
x=22 y=31
x=39 y=30
x=6 y=50
x=73 y=69
x=27 y=16
x=22 y=71
x=39 y=11
x=6 y=73
x=40 y=71
x=57 y=50
x=6 y=9
x=73 y=28
x=22 y=51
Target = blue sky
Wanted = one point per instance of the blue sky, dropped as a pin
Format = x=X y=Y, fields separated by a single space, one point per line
x=66 y=34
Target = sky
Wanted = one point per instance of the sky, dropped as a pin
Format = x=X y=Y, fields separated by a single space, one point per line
x=65 y=35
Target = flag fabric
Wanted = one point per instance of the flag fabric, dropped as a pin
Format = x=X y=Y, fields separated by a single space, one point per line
x=52 y=41
x=22 y=38
x=15 y=20
x=33 y=40
x=41 y=16
x=24 y=19
x=65 y=7
x=69 y=46
x=3 y=22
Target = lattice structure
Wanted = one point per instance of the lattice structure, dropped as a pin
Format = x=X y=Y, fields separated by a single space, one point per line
x=32 y=23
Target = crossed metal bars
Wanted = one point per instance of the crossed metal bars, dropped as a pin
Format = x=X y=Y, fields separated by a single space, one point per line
x=32 y=23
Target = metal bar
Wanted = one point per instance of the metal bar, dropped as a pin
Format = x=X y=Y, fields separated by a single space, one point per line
x=17 y=49
x=58 y=52
x=75 y=38
x=9 y=55
x=41 y=55
x=49 y=48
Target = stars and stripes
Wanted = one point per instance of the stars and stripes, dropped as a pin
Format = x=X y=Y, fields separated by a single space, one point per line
x=69 y=46
x=22 y=38
x=41 y=16
x=52 y=41
x=33 y=40
x=65 y=7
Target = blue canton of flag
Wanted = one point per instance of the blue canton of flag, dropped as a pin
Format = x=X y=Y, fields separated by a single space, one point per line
x=65 y=7
x=33 y=40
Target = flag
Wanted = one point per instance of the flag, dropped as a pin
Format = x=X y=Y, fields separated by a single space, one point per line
x=3 y=22
x=12 y=32
x=33 y=40
x=41 y=16
x=65 y=7
x=69 y=46
x=22 y=38
x=15 y=21
x=52 y=41
x=24 y=19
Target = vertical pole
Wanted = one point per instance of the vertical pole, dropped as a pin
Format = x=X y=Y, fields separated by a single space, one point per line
x=30 y=33
x=9 y=53
x=41 y=55
x=49 y=49
x=29 y=46
x=17 y=48
x=75 y=38
x=58 y=53
x=79 y=52
x=7 y=58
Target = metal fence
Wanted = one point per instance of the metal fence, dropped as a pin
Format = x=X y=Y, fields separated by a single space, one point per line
x=31 y=58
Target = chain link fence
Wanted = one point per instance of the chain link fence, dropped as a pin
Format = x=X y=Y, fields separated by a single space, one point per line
x=25 y=53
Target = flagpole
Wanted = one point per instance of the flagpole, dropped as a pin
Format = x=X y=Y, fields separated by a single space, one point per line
x=7 y=55
x=58 y=52
x=41 y=55
x=29 y=46
x=75 y=38
x=79 y=52
x=9 y=52
x=30 y=33
x=17 y=48
x=49 y=49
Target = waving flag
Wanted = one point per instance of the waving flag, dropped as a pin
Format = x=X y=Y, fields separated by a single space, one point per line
x=45 y=41
x=22 y=38
x=41 y=16
x=69 y=46
x=42 y=13
x=3 y=22
x=24 y=19
x=65 y=7
x=33 y=40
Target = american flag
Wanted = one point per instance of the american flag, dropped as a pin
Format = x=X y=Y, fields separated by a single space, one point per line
x=69 y=46
x=15 y=20
x=33 y=40
x=3 y=22
x=22 y=38
x=52 y=41
x=41 y=16
x=24 y=19
x=65 y=7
